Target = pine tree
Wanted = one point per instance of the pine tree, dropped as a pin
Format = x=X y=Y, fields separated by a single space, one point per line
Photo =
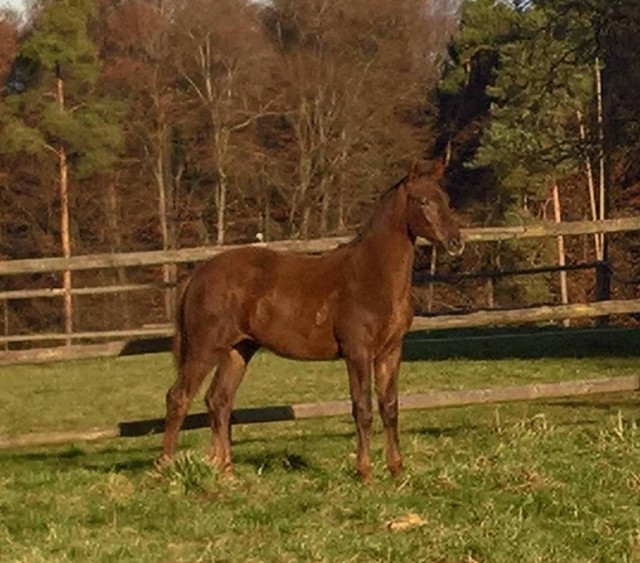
x=55 y=109
x=541 y=86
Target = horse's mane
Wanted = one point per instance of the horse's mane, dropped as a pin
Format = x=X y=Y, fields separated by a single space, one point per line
x=393 y=187
x=365 y=226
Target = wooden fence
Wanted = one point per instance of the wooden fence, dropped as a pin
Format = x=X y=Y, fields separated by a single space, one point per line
x=279 y=413
x=436 y=399
x=158 y=258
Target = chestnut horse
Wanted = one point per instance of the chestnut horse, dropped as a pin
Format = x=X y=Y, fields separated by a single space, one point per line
x=352 y=302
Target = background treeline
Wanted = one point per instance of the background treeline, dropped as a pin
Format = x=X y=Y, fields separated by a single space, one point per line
x=147 y=124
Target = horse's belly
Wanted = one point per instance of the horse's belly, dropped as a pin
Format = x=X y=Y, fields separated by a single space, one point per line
x=288 y=342
x=300 y=347
x=299 y=334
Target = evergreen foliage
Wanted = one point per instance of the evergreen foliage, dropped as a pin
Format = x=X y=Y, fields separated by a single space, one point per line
x=85 y=123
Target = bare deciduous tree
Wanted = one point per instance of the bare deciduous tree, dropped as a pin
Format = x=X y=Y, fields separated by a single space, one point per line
x=355 y=76
x=222 y=55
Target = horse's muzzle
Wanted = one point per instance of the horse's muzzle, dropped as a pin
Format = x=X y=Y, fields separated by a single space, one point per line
x=454 y=246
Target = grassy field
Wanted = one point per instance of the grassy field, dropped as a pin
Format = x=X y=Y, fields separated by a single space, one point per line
x=552 y=481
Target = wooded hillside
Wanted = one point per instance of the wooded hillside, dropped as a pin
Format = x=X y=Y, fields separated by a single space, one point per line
x=135 y=125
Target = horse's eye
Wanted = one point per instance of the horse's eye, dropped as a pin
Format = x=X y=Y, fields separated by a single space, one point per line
x=424 y=201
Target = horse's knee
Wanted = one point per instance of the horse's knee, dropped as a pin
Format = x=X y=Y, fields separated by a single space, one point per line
x=215 y=405
x=176 y=398
x=388 y=413
x=361 y=411
x=217 y=397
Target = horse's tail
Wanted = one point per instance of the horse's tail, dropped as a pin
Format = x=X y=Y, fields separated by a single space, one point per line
x=180 y=338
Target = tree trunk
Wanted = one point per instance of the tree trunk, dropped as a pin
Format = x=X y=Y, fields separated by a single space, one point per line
x=65 y=237
x=601 y=155
x=304 y=226
x=221 y=202
x=113 y=222
x=221 y=136
x=267 y=219
x=168 y=270
x=603 y=278
x=342 y=225
x=300 y=193
x=325 y=205
x=591 y=186
x=561 y=254
x=5 y=315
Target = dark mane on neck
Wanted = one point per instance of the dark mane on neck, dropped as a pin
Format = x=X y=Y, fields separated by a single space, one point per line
x=380 y=201
x=392 y=188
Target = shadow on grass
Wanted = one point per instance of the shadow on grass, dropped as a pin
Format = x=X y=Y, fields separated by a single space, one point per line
x=132 y=458
x=522 y=342
x=105 y=460
x=346 y=435
x=442 y=432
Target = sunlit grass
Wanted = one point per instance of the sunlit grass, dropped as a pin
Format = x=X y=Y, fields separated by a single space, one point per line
x=541 y=481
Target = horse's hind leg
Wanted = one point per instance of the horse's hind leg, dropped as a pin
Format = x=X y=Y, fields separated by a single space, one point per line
x=220 y=396
x=179 y=397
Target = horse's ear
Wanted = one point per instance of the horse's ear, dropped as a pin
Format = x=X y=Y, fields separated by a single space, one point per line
x=438 y=169
x=435 y=169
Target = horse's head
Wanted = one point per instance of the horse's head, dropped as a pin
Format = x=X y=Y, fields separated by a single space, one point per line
x=429 y=214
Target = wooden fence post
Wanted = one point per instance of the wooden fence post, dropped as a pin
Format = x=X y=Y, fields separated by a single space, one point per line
x=603 y=288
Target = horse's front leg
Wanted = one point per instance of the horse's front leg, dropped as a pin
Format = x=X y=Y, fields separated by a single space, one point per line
x=386 y=375
x=360 y=387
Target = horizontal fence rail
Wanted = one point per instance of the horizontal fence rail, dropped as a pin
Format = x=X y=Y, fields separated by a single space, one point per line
x=185 y=255
x=95 y=341
x=476 y=319
x=529 y=315
x=279 y=413
x=59 y=292
x=162 y=333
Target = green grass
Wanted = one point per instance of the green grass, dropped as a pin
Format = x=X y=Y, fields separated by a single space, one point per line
x=552 y=481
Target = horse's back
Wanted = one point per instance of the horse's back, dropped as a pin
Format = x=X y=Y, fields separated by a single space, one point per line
x=260 y=270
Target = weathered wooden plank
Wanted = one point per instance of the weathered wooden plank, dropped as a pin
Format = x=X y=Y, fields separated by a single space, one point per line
x=551 y=229
x=35 y=439
x=62 y=353
x=528 y=315
x=59 y=292
x=577 y=388
x=477 y=319
x=159 y=257
x=154 y=257
x=279 y=413
x=155 y=331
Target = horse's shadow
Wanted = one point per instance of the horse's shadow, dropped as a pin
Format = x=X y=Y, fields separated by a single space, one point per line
x=271 y=458
x=142 y=458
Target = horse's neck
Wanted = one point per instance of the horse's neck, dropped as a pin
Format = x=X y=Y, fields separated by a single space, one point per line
x=386 y=243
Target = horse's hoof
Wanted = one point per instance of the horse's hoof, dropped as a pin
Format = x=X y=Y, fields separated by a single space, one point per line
x=365 y=476
x=162 y=461
x=227 y=469
x=224 y=470
x=396 y=469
